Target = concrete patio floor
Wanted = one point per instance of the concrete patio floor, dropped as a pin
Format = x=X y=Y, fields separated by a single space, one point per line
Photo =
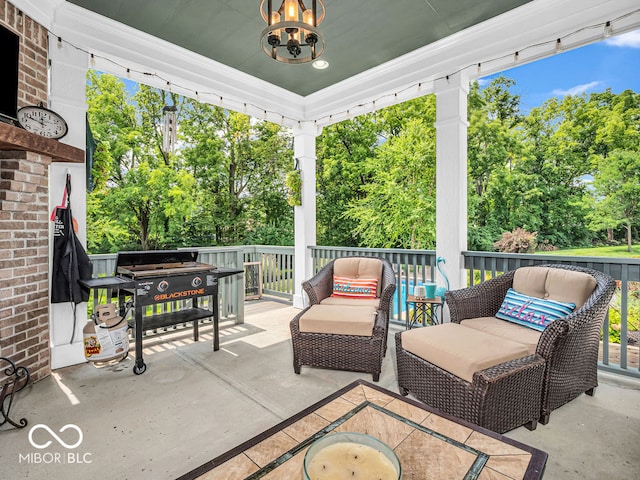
x=193 y=404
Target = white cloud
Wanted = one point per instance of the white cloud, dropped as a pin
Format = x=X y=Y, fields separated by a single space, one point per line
x=483 y=82
x=630 y=40
x=577 y=90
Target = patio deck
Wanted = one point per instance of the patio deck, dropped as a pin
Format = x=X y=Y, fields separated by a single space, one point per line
x=193 y=404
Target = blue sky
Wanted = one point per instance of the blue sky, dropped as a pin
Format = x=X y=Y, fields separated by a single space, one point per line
x=613 y=63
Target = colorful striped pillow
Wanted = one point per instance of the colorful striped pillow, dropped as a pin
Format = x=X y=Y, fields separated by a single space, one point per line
x=532 y=312
x=354 y=287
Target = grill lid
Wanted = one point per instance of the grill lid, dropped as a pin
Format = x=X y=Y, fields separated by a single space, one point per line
x=155 y=257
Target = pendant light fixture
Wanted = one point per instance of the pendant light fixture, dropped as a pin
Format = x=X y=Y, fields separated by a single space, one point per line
x=292 y=34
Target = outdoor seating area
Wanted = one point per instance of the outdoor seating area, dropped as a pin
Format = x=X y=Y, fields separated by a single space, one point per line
x=502 y=374
x=196 y=404
x=347 y=322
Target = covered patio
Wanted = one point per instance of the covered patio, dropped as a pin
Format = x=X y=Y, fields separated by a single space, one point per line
x=192 y=406
x=379 y=55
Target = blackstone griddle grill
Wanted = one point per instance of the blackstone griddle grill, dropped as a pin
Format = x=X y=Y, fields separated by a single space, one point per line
x=160 y=276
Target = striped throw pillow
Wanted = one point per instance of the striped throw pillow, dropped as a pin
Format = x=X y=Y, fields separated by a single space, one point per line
x=354 y=287
x=532 y=312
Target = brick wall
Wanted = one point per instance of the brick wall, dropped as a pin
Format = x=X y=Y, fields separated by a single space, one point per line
x=24 y=253
x=32 y=74
x=24 y=217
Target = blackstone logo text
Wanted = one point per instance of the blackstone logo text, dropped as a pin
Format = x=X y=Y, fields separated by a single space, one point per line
x=55 y=457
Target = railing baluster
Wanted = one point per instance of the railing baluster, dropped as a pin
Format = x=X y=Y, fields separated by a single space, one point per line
x=624 y=297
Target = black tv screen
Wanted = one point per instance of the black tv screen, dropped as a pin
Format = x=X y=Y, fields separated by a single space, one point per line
x=10 y=43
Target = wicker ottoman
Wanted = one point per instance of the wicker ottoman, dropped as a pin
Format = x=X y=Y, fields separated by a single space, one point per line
x=339 y=337
x=499 y=397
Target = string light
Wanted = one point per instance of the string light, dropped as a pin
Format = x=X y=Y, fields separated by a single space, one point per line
x=557 y=47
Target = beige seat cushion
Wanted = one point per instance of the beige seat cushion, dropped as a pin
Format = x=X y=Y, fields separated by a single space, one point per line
x=352 y=267
x=356 y=302
x=554 y=283
x=504 y=329
x=339 y=319
x=460 y=350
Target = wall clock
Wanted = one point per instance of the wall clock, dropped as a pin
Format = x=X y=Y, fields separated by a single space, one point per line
x=42 y=121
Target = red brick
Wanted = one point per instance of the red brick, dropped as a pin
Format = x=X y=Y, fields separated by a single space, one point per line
x=6 y=331
x=29 y=342
x=12 y=263
x=14 y=282
x=8 y=350
x=18 y=357
x=13 y=340
x=21 y=327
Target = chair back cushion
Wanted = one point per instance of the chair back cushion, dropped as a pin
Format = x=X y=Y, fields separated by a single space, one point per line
x=556 y=284
x=358 y=267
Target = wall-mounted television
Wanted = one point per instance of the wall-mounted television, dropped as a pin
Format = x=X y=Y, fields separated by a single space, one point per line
x=9 y=54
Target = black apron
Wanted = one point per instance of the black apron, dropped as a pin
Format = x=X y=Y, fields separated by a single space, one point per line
x=70 y=260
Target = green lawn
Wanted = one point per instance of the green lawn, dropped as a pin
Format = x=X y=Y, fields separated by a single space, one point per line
x=614 y=251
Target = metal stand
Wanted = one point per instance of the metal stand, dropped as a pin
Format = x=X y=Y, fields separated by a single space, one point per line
x=8 y=388
x=425 y=311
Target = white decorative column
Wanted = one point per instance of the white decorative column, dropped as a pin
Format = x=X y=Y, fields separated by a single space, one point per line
x=304 y=149
x=67 y=96
x=451 y=175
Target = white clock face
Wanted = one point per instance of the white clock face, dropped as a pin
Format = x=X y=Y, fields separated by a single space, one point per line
x=42 y=121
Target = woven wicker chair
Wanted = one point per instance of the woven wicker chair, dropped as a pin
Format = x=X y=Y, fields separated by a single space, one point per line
x=343 y=352
x=503 y=397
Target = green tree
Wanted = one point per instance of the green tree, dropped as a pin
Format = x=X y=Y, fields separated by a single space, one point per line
x=343 y=150
x=618 y=188
x=399 y=207
x=224 y=182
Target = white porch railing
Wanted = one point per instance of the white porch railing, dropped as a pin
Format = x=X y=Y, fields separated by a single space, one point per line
x=412 y=266
x=415 y=266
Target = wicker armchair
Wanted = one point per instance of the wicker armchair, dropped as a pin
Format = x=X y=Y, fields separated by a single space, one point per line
x=338 y=351
x=504 y=396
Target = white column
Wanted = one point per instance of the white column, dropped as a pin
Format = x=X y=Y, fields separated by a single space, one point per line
x=67 y=96
x=304 y=149
x=451 y=176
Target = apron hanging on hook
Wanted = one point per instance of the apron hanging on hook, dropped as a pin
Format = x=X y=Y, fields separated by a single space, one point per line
x=70 y=260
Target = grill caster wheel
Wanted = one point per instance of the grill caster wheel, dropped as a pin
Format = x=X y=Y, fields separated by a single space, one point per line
x=140 y=369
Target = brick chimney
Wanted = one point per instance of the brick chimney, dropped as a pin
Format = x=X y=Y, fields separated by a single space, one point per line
x=24 y=208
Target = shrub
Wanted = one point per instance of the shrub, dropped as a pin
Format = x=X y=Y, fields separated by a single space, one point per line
x=546 y=246
x=517 y=241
